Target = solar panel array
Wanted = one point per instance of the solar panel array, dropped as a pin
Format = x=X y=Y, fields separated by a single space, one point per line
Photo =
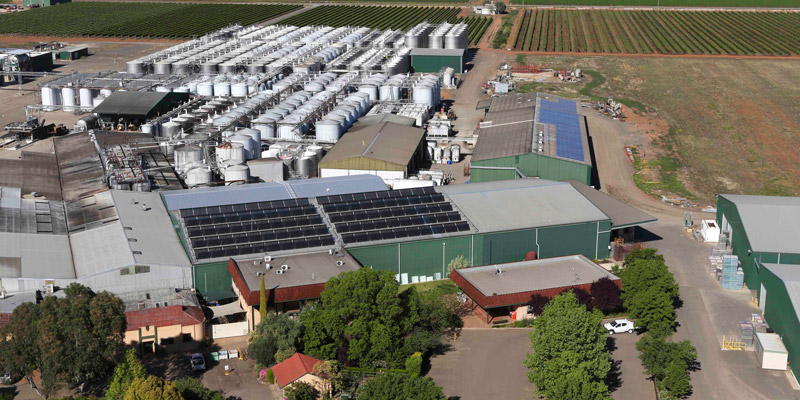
x=395 y=214
x=563 y=115
x=251 y=228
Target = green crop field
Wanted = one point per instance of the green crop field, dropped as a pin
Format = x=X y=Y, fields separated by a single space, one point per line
x=151 y=20
x=393 y=17
x=660 y=32
x=663 y=3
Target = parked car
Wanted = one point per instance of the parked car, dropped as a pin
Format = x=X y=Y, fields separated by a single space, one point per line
x=198 y=362
x=619 y=326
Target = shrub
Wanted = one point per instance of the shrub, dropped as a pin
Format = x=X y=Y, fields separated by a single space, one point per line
x=414 y=364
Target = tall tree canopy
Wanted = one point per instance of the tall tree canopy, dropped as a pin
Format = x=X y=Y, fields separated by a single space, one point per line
x=70 y=340
x=152 y=388
x=569 y=358
x=362 y=319
x=649 y=290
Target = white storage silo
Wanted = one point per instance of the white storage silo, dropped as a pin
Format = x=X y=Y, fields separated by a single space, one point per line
x=239 y=90
x=147 y=128
x=182 y=89
x=328 y=130
x=254 y=134
x=186 y=155
x=318 y=150
x=246 y=142
x=106 y=92
x=163 y=89
x=236 y=174
x=339 y=118
x=98 y=100
x=265 y=125
x=198 y=176
x=162 y=67
x=134 y=67
x=205 y=89
x=232 y=153
x=371 y=90
x=303 y=166
x=68 y=98
x=49 y=97
x=222 y=88
x=85 y=97
x=170 y=129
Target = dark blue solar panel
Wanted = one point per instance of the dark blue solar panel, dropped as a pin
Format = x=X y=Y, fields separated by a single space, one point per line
x=563 y=116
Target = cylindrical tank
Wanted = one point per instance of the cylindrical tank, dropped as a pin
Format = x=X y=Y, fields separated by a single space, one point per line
x=236 y=174
x=314 y=87
x=437 y=153
x=49 y=97
x=205 y=89
x=222 y=88
x=371 y=90
x=163 y=89
x=423 y=94
x=232 y=153
x=328 y=130
x=106 y=92
x=209 y=68
x=265 y=125
x=146 y=128
x=68 y=98
x=198 y=176
x=303 y=166
x=170 y=129
x=239 y=90
x=87 y=122
x=134 y=67
x=182 y=89
x=246 y=142
x=162 y=67
x=340 y=118
x=85 y=96
x=254 y=134
x=185 y=155
x=318 y=150
x=313 y=157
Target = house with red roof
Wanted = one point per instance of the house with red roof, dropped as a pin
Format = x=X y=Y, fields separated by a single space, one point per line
x=163 y=319
x=297 y=368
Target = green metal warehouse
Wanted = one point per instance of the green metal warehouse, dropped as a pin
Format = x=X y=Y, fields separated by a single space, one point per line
x=760 y=228
x=532 y=135
x=780 y=302
x=434 y=60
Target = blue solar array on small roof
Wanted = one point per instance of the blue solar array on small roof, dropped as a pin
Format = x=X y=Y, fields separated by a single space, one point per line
x=563 y=115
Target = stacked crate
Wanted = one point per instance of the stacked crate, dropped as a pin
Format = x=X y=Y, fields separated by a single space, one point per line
x=732 y=274
x=748 y=332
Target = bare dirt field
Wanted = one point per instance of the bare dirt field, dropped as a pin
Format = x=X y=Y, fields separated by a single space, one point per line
x=731 y=123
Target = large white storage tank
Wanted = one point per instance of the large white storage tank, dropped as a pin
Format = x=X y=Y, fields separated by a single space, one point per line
x=246 y=142
x=256 y=136
x=205 y=89
x=68 y=98
x=328 y=130
x=198 y=176
x=238 y=173
x=186 y=155
x=265 y=125
x=85 y=97
x=50 y=97
x=231 y=153
x=303 y=166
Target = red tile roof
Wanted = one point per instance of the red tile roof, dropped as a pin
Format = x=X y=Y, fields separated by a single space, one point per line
x=293 y=368
x=164 y=316
x=278 y=295
x=4 y=318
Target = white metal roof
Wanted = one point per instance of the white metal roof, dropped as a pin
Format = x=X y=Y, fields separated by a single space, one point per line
x=772 y=222
x=30 y=255
x=150 y=234
x=521 y=204
x=771 y=342
x=100 y=250
x=336 y=185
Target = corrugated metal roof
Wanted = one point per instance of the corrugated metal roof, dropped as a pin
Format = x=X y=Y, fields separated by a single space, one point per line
x=225 y=195
x=385 y=141
x=622 y=215
x=337 y=185
x=28 y=255
x=521 y=204
x=529 y=276
x=150 y=234
x=80 y=167
x=101 y=249
x=772 y=222
x=379 y=118
x=771 y=342
x=511 y=134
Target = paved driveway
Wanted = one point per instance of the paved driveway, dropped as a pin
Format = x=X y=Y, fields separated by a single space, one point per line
x=485 y=364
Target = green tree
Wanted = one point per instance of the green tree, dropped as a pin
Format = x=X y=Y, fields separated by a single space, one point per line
x=152 y=388
x=456 y=263
x=124 y=374
x=649 y=291
x=282 y=355
x=569 y=358
x=263 y=349
x=501 y=7
x=331 y=373
x=285 y=332
x=668 y=363
x=414 y=364
x=676 y=383
x=193 y=389
x=262 y=300
x=301 y=391
x=20 y=355
x=390 y=386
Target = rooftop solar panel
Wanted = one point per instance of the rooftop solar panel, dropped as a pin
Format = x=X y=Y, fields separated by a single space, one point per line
x=569 y=142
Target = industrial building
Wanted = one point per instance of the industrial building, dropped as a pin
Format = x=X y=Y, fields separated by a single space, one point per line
x=387 y=149
x=43 y=3
x=780 y=302
x=71 y=53
x=137 y=107
x=503 y=290
x=532 y=135
x=163 y=319
x=759 y=229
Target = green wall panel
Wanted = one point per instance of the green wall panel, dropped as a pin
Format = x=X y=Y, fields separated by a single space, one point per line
x=425 y=258
x=782 y=317
x=383 y=257
x=531 y=165
x=434 y=64
x=213 y=281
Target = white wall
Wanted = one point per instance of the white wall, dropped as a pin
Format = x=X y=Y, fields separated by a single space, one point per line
x=229 y=330
x=387 y=176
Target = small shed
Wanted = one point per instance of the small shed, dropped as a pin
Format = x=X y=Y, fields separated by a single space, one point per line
x=434 y=60
x=771 y=352
x=70 y=53
x=710 y=231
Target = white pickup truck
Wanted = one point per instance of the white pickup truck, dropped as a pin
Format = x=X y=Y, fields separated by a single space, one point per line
x=619 y=326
